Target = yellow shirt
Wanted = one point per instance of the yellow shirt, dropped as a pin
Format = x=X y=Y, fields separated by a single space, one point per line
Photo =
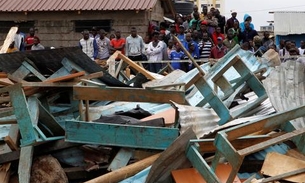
x=11 y=50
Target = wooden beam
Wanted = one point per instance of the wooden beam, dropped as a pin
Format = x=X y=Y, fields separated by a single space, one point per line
x=127 y=171
x=9 y=39
x=127 y=94
x=125 y=135
x=136 y=66
x=121 y=159
x=284 y=175
x=25 y=164
x=8 y=140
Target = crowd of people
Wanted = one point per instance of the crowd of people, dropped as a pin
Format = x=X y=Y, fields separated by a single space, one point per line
x=206 y=35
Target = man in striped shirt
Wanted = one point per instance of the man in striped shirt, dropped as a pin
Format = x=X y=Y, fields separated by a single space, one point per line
x=205 y=46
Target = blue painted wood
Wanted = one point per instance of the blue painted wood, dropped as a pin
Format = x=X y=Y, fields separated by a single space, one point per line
x=22 y=114
x=199 y=163
x=121 y=159
x=33 y=70
x=120 y=135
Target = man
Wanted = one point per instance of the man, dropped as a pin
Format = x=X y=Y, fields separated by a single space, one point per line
x=266 y=42
x=230 y=21
x=229 y=42
x=171 y=34
x=247 y=18
x=302 y=48
x=221 y=21
x=186 y=23
x=103 y=44
x=181 y=35
x=195 y=36
x=36 y=45
x=203 y=29
x=212 y=22
x=217 y=34
x=204 y=12
x=293 y=55
x=94 y=33
x=177 y=55
x=134 y=45
x=219 y=50
x=155 y=51
x=195 y=21
x=118 y=43
x=188 y=40
x=19 y=40
x=205 y=46
x=284 y=53
x=88 y=45
x=248 y=34
x=29 y=40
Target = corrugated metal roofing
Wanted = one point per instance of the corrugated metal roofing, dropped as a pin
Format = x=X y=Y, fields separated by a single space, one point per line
x=289 y=23
x=72 y=5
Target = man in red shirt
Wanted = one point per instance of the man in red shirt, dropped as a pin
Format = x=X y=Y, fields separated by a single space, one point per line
x=217 y=34
x=29 y=40
x=219 y=50
x=118 y=43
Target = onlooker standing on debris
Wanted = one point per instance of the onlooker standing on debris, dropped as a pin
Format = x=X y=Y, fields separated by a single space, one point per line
x=155 y=53
x=118 y=43
x=37 y=45
x=29 y=40
x=230 y=21
x=134 y=46
x=103 y=44
x=219 y=50
x=302 y=48
x=88 y=45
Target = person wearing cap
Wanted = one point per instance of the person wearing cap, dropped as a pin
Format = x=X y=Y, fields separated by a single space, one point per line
x=181 y=35
x=155 y=53
x=230 y=21
x=217 y=34
x=219 y=50
x=171 y=34
x=203 y=29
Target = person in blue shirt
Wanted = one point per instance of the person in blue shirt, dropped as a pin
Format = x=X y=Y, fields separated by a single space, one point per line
x=188 y=40
x=181 y=35
x=191 y=50
x=247 y=18
x=177 y=55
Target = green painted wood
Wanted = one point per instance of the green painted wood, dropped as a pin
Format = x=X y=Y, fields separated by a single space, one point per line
x=120 y=135
x=25 y=164
x=33 y=71
x=21 y=72
x=121 y=159
x=22 y=114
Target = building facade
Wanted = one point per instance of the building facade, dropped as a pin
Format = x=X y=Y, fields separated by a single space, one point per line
x=60 y=23
x=218 y=4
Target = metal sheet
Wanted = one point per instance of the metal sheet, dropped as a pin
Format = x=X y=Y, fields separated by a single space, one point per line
x=288 y=22
x=68 y=5
x=285 y=87
x=49 y=61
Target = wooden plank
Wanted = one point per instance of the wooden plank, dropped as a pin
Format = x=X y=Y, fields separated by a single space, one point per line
x=33 y=71
x=67 y=77
x=21 y=72
x=276 y=164
x=121 y=159
x=127 y=94
x=8 y=140
x=9 y=157
x=284 y=175
x=127 y=171
x=185 y=175
x=168 y=115
x=25 y=164
x=295 y=153
x=5 y=173
x=9 y=39
x=125 y=135
x=5 y=82
x=136 y=66
x=171 y=159
x=91 y=76
x=49 y=85
x=8 y=120
x=22 y=114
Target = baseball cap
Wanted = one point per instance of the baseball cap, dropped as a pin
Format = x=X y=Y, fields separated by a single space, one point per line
x=204 y=23
x=233 y=11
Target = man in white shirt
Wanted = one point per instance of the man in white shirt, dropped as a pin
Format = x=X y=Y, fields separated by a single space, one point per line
x=134 y=46
x=302 y=48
